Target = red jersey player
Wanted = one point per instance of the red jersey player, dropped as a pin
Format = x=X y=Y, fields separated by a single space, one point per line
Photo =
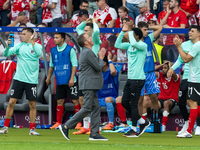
x=168 y=97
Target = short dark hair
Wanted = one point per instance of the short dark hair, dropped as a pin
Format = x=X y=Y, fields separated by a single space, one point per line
x=28 y=29
x=124 y=9
x=138 y=32
x=43 y=24
x=83 y=1
x=81 y=40
x=167 y=63
x=142 y=24
x=166 y=1
x=126 y=19
x=105 y=59
x=21 y=13
x=62 y=34
x=22 y=24
x=105 y=1
x=179 y=2
x=89 y=24
x=195 y=27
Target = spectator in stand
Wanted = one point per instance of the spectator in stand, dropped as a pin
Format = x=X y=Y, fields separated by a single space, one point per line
x=48 y=42
x=109 y=46
x=105 y=11
x=122 y=12
x=144 y=13
x=80 y=17
x=22 y=18
x=108 y=95
x=51 y=10
x=131 y=5
x=190 y=8
x=164 y=12
x=18 y=6
x=121 y=55
x=125 y=20
x=92 y=6
x=39 y=13
x=152 y=20
x=4 y=12
x=75 y=18
x=168 y=96
x=175 y=18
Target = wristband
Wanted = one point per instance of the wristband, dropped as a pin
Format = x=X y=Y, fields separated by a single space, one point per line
x=109 y=61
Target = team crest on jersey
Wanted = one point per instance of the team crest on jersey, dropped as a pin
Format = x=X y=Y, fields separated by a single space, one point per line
x=32 y=51
x=12 y=92
x=177 y=18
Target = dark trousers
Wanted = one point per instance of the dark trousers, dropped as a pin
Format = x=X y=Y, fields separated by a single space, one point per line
x=4 y=21
x=130 y=98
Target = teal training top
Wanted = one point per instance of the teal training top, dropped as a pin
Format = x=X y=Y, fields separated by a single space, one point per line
x=27 y=61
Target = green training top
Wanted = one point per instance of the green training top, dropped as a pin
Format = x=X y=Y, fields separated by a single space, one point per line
x=73 y=57
x=137 y=52
x=27 y=61
x=95 y=36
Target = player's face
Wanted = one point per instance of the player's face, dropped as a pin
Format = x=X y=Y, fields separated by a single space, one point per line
x=193 y=34
x=88 y=30
x=165 y=69
x=172 y=4
x=26 y=36
x=58 y=39
x=84 y=6
x=144 y=31
x=165 y=4
x=122 y=14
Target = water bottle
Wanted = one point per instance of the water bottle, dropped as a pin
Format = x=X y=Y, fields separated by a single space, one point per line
x=11 y=122
x=11 y=37
x=15 y=126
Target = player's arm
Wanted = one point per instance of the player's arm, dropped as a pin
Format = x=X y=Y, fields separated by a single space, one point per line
x=113 y=70
x=6 y=5
x=185 y=56
x=178 y=62
x=95 y=35
x=36 y=47
x=80 y=28
x=138 y=45
x=73 y=60
x=157 y=29
x=11 y=51
x=157 y=74
x=119 y=44
x=174 y=75
x=50 y=72
x=158 y=67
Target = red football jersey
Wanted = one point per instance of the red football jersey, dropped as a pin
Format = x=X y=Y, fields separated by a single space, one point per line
x=189 y=6
x=175 y=20
x=161 y=15
x=169 y=88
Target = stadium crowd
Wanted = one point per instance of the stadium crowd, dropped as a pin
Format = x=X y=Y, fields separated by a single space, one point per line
x=150 y=15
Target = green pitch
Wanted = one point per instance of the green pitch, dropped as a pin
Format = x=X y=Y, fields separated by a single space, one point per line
x=18 y=139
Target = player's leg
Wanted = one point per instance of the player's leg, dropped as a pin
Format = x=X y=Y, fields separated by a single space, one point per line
x=121 y=111
x=146 y=105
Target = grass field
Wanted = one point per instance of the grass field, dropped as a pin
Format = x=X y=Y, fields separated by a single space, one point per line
x=18 y=139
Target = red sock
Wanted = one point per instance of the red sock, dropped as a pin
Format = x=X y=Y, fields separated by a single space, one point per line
x=60 y=110
x=164 y=120
x=192 y=119
x=121 y=112
x=77 y=108
x=144 y=117
x=198 y=107
x=32 y=126
x=6 y=122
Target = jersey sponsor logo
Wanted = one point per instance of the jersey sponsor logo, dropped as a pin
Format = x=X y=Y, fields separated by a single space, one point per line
x=12 y=91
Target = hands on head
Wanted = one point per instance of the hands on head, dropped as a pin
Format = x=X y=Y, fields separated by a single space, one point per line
x=89 y=20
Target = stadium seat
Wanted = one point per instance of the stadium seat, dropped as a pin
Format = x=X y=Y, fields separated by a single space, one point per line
x=123 y=77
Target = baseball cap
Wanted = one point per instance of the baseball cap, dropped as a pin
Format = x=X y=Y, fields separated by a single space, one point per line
x=142 y=4
x=112 y=38
x=83 y=12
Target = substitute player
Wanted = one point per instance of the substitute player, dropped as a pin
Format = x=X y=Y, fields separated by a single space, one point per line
x=137 y=51
x=26 y=77
x=63 y=61
x=193 y=57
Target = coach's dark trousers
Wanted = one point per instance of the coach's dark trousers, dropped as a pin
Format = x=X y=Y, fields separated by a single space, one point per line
x=90 y=106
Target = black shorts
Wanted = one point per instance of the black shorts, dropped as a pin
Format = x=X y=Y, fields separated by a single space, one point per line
x=80 y=93
x=173 y=101
x=63 y=90
x=183 y=91
x=19 y=87
x=194 y=91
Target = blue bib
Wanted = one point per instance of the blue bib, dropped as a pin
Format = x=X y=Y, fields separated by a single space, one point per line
x=62 y=64
x=110 y=86
x=149 y=62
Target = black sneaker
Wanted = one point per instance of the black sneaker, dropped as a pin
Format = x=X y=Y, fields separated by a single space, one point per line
x=144 y=126
x=97 y=137
x=131 y=133
x=64 y=131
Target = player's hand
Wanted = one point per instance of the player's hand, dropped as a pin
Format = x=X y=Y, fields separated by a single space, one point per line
x=109 y=55
x=89 y=20
x=71 y=83
x=101 y=53
x=33 y=36
x=125 y=27
x=48 y=81
x=177 y=41
x=170 y=72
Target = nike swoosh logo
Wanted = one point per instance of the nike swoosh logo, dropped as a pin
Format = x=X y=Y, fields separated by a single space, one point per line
x=197 y=92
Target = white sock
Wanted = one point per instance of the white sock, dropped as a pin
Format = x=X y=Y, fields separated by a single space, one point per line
x=141 y=121
x=86 y=122
x=134 y=128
